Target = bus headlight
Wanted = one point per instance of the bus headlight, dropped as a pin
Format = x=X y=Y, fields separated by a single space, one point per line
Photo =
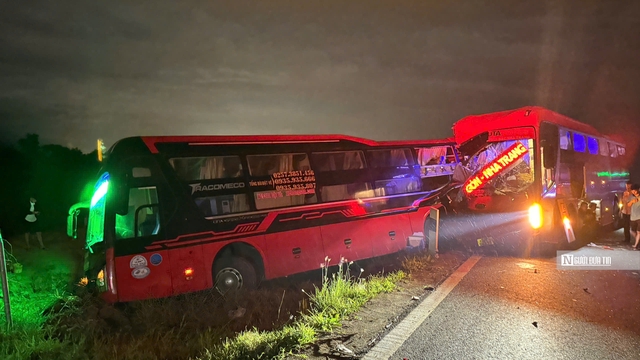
x=535 y=216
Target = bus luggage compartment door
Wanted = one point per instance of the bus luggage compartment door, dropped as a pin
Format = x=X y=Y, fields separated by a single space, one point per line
x=294 y=251
x=389 y=233
x=349 y=240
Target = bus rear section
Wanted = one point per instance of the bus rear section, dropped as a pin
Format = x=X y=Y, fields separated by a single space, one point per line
x=526 y=172
x=171 y=215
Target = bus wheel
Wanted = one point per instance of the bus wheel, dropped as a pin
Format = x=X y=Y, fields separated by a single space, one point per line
x=234 y=274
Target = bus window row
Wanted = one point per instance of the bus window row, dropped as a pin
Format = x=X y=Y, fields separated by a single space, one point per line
x=284 y=180
x=589 y=144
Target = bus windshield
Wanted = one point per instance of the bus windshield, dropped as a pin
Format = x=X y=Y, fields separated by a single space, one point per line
x=501 y=168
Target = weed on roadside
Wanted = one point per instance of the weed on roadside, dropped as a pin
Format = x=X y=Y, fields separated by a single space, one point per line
x=191 y=326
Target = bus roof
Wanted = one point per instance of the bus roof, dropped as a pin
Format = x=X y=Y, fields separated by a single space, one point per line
x=470 y=126
x=151 y=141
x=432 y=142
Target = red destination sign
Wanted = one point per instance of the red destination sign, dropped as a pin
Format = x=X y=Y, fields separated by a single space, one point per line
x=498 y=165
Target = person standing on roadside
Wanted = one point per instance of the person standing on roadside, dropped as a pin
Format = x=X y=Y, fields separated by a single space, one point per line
x=626 y=212
x=634 y=204
x=32 y=224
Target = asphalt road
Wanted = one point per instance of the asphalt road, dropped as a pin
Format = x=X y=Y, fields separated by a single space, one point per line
x=511 y=308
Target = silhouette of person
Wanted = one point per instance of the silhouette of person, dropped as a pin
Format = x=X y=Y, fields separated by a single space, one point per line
x=33 y=226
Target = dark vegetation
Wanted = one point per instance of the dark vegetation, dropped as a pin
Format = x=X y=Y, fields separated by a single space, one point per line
x=53 y=174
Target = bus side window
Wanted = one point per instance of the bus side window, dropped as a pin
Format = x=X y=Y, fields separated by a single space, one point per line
x=345 y=192
x=435 y=155
x=604 y=148
x=613 y=152
x=264 y=165
x=207 y=168
x=390 y=158
x=402 y=180
x=283 y=193
x=565 y=139
x=338 y=162
x=142 y=217
x=592 y=145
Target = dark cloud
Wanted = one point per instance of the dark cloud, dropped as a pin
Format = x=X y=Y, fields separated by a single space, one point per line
x=74 y=71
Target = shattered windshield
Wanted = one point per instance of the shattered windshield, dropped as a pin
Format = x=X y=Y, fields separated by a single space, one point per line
x=504 y=167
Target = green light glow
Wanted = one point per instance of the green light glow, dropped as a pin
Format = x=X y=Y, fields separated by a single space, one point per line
x=95 y=230
x=615 y=174
x=100 y=192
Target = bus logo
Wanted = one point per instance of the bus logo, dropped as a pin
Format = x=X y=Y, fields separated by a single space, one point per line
x=213 y=187
x=137 y=262
x=140 y=273
x=498 y=165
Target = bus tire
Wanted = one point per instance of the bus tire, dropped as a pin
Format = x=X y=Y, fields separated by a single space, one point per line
x=233 y=274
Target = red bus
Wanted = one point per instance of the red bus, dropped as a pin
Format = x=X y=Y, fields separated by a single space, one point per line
x=525 y=172
x=171 y=215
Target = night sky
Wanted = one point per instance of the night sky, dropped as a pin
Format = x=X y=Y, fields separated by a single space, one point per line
x=75 y=71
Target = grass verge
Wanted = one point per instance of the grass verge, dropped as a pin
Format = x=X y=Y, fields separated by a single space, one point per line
x=189 y=326
x=339 y=296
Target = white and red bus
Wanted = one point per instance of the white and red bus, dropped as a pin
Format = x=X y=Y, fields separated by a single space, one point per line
x=171 y=215
x=525 y=172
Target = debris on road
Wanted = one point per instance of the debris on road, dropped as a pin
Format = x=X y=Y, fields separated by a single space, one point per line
x=373 y=340
x=237 y=313
x=415 y=298
x=600 y=246
x=343 y=351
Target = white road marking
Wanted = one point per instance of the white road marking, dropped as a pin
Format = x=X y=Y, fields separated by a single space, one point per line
x=396 y=337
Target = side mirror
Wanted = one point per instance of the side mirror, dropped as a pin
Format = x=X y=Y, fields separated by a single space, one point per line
x=121 y=196
x=474 y=144
x=550 y=139
x=550 y=154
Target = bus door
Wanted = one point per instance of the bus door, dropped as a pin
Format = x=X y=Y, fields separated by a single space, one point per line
x=140 y=273
x=572 y=181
